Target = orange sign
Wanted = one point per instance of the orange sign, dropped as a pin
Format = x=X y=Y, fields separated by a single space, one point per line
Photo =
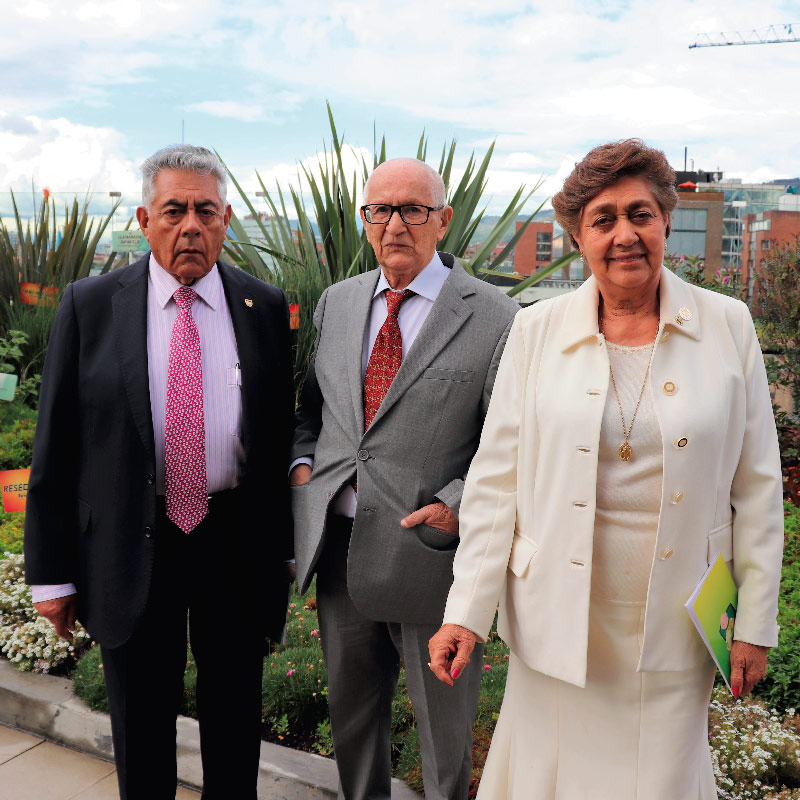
x=294 y=316
x=34 y=294
x=14 y=484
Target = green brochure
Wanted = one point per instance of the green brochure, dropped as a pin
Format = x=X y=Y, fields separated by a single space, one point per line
x=712 y=608
x=8 y=385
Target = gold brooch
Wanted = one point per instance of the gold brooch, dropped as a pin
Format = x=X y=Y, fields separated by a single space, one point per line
x=248 y=302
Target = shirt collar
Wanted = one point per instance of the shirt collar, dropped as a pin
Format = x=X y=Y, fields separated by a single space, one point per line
x=208 y=288
x=427 y=284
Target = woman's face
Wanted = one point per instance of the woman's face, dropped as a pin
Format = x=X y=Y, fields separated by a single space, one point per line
x=621 y=233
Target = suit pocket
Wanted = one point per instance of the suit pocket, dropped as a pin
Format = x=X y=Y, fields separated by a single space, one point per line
x=720 y=540
x=457 y=375
x=84 y=516
x=522 y=552
x=436 y=539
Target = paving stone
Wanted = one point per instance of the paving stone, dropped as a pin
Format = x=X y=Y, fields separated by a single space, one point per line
x=49 y=772
x=13 y=742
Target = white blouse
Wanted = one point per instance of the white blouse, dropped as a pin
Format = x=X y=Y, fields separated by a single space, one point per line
x=628 y=492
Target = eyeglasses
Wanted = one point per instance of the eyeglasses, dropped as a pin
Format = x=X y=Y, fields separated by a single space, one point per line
x=380 y=214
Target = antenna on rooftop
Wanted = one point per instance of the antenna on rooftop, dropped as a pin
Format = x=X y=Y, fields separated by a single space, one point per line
x=774 y=34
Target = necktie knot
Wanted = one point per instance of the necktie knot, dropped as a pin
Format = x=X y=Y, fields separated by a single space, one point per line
x=184 y=297
x=395 y=299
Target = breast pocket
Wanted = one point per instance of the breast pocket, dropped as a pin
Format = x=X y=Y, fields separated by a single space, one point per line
x=457 y=375
x=233 y=392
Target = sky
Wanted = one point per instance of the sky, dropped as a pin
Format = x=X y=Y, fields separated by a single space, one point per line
x=89 y=89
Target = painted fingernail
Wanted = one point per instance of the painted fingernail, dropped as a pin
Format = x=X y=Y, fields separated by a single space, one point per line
x=737 y=690
x=456 y=672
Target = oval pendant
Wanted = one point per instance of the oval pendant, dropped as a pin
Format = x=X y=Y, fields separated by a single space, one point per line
x=625 y=451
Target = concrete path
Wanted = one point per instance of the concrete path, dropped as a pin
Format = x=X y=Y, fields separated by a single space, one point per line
x=32 y=768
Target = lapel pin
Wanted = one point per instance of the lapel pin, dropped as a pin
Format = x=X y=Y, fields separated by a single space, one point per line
x=679 y=320
x=248 y=302
x=685 y=314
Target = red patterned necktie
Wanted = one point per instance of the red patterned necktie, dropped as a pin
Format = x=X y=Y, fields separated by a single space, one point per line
x=184 y=433
x=384 y=361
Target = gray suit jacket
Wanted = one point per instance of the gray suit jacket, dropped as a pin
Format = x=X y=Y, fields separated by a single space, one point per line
x=416 y=451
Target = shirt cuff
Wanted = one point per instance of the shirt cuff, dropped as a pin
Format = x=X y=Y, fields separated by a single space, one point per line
x=302 y=460
x=40 y=593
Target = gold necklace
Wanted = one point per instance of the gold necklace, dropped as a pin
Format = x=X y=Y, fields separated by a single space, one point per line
x=625 y=451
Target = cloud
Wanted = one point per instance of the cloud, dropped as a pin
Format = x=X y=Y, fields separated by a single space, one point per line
x=64 y=156
x=545 y=81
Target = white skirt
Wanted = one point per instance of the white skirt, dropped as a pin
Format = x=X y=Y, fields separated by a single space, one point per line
x=627 y=736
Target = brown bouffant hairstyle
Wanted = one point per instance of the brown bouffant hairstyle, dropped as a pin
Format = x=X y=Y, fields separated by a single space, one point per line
x=604 y=166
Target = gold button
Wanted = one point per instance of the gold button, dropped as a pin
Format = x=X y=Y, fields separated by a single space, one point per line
x=682 y=442
x=676 y=498
x=669 y=387
x=666 y=553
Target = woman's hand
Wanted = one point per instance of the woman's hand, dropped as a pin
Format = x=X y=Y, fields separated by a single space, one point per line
x=748 y=667
x=449 y=649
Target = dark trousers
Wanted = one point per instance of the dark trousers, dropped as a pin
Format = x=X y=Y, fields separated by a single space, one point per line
x=363 y=660
x=198 y=577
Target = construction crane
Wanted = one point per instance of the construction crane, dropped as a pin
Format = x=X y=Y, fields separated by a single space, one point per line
x=775 y=34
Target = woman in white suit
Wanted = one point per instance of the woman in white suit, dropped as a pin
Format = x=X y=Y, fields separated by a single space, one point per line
x=630 y=439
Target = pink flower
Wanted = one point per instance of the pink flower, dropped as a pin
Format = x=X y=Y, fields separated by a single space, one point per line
x=315 y=633
x=487 y=667
x=291 y=672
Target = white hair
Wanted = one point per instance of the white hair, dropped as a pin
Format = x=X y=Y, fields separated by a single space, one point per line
x=186 y=157
x=435 y=179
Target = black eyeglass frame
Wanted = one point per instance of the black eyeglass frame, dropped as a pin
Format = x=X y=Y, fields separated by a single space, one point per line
x=399 y=209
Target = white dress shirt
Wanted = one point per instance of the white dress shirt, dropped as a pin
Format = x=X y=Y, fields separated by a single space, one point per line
x=222 y=403
x=413 y=313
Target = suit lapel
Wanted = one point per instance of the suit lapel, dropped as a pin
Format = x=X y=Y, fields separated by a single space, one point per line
x=357 y=322
x=129 y=309
x=245 y=318
x=443 y=322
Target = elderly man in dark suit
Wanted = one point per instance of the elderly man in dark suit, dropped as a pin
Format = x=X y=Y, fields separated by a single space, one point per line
x=162 y=443
x=390 y=416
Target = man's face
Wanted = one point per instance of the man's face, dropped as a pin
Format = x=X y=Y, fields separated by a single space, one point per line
x=186 y=223
x=404 y=250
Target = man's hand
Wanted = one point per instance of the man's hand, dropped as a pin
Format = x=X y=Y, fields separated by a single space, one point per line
x=61 y=613
x=449 y=649
x=436 y=515
x=299 y=475
x=748 y=667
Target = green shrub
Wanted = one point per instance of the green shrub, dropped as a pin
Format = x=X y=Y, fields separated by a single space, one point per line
x=781 y=687
x=16 y=444
x=88 y=681
x=295 y=684
x=11 y=531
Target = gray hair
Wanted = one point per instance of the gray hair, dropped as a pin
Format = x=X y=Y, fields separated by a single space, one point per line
x=186 y=157
x=435 y=179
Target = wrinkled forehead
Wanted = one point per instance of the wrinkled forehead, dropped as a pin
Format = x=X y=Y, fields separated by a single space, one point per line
x=183 y=187
x=400 y=184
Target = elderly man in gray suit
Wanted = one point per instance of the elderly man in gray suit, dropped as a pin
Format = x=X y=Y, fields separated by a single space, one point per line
x=390 y=417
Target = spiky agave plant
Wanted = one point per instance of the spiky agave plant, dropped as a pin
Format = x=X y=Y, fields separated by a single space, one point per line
x=304 y=246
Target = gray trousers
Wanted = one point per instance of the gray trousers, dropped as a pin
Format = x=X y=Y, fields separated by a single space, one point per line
x=363 y=661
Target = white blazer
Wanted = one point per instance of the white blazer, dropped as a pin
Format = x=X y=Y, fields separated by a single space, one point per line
x=527 y=515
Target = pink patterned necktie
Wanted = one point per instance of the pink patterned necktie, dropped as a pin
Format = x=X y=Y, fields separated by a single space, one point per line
x=185 y=435
x=384 y=361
